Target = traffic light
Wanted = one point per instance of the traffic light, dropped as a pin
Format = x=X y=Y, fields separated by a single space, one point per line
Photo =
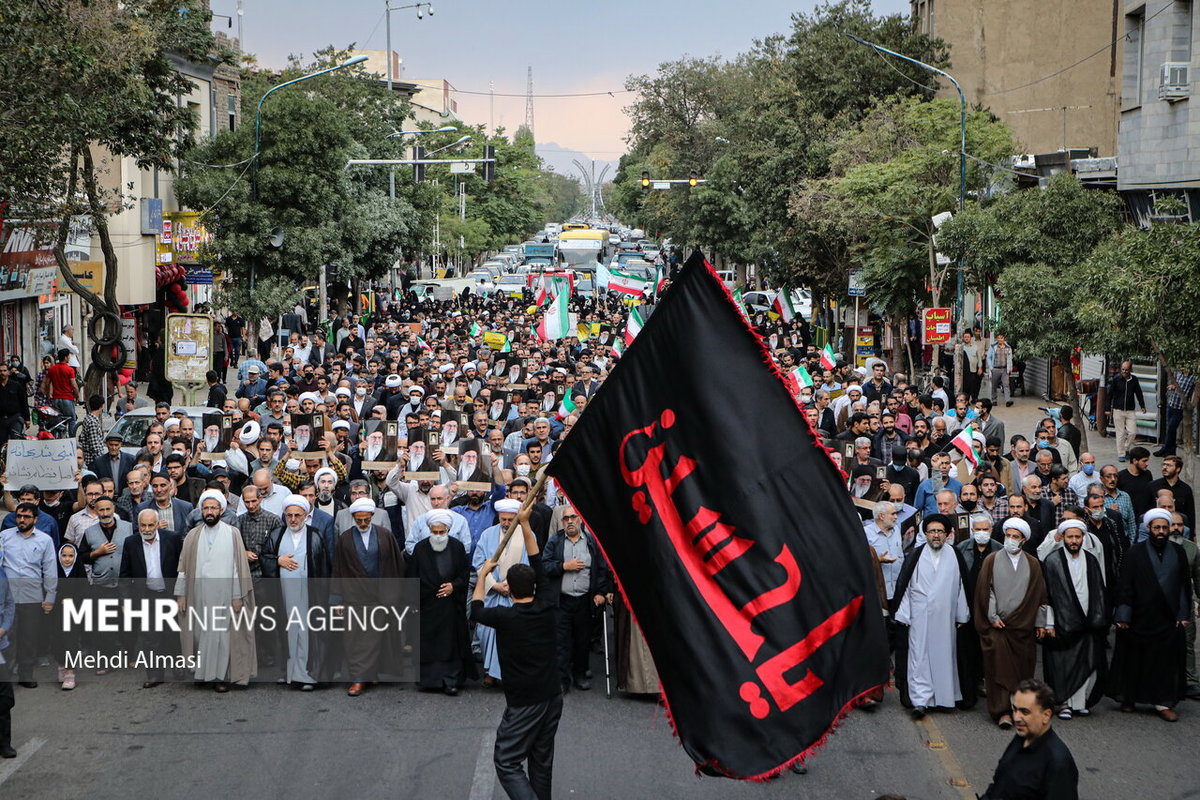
x=418 y=169
x=693 y=178
x=645 y=180
x=489 y=167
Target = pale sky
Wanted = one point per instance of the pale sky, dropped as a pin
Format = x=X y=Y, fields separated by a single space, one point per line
x=573 y=46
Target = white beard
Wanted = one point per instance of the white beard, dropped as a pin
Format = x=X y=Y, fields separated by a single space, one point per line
x=373 y=453
x=465 y=471
x=301 y=444
x=439 y=542
x=211 y=443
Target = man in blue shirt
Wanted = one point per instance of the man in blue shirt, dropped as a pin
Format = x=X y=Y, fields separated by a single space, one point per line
x=30 y=564
x=8 y=614
x=926 y=498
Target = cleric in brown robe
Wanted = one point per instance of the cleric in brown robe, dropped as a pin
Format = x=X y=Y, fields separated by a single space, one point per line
x=1009 y=610
x=440 y=562
x=361 y=557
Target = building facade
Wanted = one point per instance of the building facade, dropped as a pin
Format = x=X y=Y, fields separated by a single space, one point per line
x=1160 y=126
x=1049 y=70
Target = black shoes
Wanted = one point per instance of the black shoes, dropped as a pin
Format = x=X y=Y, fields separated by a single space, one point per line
x=582 y=684
x=919 y=711
x=7 y=752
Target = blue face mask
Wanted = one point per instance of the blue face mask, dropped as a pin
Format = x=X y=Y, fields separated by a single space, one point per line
x=1088 y=469
x=1042 y=444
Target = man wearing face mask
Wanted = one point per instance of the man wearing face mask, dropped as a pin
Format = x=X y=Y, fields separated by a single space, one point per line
x=977 y=547
x=929 y=604
x=439 y=499
x=1087 y=476
x=898 y=472
x=1153 y=607
x=439 y=561
x=1039 y=510
x=1009 y=605
x=149 y=566
x=968 y=497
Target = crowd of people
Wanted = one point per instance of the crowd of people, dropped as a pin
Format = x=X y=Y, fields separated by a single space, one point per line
x=1047 y=546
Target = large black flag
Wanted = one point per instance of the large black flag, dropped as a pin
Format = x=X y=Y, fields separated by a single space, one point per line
x=731 y=533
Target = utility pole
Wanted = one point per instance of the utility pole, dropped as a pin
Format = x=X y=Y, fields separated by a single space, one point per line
x=529 y=100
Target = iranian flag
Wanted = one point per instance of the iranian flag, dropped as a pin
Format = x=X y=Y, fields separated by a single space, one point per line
x=965 y=442
x=626 y=284
x=565 y=407
x=802 y=377
x=633 y=325
x=783 y=305
x=421 y=343
x=474 y=328
x=543 y=296
x=618 y=348
x=556 y=323
x=827 y=359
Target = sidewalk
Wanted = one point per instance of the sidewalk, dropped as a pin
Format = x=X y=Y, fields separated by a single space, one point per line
x=1025 y=415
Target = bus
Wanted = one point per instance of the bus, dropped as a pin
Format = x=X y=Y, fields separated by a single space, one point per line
x=583 y=249
x=574 y=226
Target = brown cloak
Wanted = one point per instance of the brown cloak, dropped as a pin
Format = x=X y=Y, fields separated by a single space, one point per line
x=243 y=658
x=1009 y=653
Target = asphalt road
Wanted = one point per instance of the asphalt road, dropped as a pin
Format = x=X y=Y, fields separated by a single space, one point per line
x=110 y=738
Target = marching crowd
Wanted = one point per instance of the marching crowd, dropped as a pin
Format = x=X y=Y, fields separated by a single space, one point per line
x=989 y=542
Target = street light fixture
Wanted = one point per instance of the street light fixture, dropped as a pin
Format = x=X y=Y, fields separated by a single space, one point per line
x=463 y=140
x=388 y=8
x=443 y=129
x=258 y=129
x=962 y=135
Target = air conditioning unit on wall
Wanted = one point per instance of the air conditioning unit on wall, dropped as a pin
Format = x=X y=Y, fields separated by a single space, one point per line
x=1174 y=81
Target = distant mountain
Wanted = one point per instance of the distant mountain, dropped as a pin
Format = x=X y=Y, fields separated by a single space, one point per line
x=559 y=159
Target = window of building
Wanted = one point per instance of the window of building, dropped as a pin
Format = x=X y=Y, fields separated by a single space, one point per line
x=1131 y=83
x=1181 y=32
x=231 y=108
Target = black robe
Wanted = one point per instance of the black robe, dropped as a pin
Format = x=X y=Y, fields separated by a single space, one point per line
x=446 y=657
x=366 y=652
x=1077 y=648
x=1148 y=660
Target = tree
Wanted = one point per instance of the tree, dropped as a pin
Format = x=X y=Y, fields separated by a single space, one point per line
x=1030 y=244
x=84 y=81
x=330 y=215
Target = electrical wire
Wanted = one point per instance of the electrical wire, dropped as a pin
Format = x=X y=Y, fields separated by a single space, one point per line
x=892 y=67
x=1069 y=67
x=236 y=181
x=218 y=166
x=612 y=93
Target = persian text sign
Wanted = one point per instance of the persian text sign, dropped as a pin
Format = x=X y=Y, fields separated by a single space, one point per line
x=48 y=464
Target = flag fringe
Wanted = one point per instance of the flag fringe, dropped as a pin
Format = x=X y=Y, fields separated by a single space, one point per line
x=713 y=766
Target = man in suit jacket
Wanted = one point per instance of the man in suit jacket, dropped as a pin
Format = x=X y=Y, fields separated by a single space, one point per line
x=319 y=350
x=114 y=464
x=152 y=557
x=161 y=501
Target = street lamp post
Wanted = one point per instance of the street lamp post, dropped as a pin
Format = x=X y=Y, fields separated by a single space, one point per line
x=392 y=172
x=962 y=144
x=258 y=130
x=388 y=9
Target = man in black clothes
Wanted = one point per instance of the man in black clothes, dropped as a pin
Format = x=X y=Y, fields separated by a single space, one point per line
x=217 y=391
x=1185 y=500
x=1135 y=480
x=14 y=410
x=527 y=643
x=1036 y=763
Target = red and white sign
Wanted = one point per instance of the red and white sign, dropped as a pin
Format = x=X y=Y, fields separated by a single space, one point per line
x=937 y=323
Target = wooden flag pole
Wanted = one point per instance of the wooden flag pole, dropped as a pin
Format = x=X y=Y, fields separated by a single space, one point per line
x=530 y=499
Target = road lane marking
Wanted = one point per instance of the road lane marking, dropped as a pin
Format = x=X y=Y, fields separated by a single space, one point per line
x=7 y=768
x=957 y=776
x=484 y=784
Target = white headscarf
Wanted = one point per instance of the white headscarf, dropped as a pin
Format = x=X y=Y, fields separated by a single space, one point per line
x=213 y=494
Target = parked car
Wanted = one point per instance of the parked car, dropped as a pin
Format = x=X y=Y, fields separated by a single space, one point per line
x=132 y=426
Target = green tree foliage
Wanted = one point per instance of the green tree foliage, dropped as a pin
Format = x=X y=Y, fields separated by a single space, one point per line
x=777 y=108
x=84 y=81
x=1057 y=227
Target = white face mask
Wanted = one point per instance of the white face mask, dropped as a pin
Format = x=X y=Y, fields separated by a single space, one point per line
x=981 y=537
x=523 y=470
x=361 y=391
x=1012 y=546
